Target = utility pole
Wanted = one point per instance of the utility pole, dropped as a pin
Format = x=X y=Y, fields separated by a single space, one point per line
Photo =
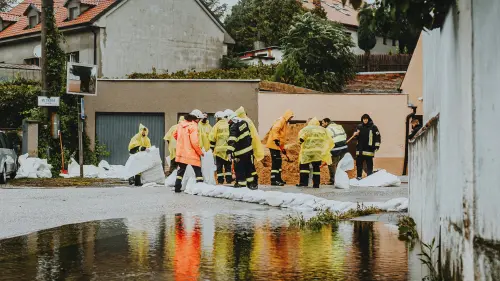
x=47 y=5
x=81 y=115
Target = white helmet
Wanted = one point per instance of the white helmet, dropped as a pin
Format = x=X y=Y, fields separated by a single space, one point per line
x=219 y=114
x=197 y=113
x=228 y=112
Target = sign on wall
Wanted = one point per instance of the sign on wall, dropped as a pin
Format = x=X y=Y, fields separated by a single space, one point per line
x=48 y=101
x=81 y=79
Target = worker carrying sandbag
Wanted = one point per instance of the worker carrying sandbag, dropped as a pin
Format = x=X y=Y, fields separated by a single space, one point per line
x=258 y=148
x=369 y=140
x=315 y=146
x=172 y=144
x=340 y=139
x=240 y=151
x=204 y=130
x=139 y=142
x=276 y=144
x=218 y=143
x=188 y=150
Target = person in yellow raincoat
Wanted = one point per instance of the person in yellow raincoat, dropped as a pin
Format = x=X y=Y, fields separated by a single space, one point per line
x=258 y=148
x=276 y=144
x=204 y=130
x=315 y=146
x=172 y=144
x=218 y=143
x=139 y=142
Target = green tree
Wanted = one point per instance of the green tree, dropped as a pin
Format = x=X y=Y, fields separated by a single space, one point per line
x=289 y=72
x=322 y=50
x=318 y=9
x=218 y=9
x=261 y=20
x=6 y=5
x=366 y=35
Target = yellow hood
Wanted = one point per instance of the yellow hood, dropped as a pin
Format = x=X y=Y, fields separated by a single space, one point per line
x=288 y=114
x=313 y=122
x=141 y=128
x=240 y=112
x=181 y=119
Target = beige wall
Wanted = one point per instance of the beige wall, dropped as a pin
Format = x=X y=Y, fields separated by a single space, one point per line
x=388 y=111
x=170 y=97
x=413 y=83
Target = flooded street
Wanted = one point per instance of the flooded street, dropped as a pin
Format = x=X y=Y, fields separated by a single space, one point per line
x=239 y=245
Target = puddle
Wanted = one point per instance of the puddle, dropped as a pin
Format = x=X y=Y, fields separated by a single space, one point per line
x=220 y=247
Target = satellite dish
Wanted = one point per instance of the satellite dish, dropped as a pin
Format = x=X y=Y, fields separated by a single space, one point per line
x=37 y=51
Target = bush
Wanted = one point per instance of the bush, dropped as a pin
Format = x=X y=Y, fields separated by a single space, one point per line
x=17 y=97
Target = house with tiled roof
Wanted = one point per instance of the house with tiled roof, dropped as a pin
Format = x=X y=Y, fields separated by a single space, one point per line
x=348 y=17
x=120 y=36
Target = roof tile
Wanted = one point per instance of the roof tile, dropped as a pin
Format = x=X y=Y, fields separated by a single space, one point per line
x=9 y=17
x=336 y=11
x=61 y=14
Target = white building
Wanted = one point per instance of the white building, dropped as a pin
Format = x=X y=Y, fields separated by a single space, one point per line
x=120 y=36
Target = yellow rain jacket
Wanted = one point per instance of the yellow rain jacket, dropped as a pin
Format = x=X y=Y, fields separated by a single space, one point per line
x=258 y=149
x=317 y=143
x=218 y=139
x=138 y=140
x=172 y=143
x=203 y=132
x=278 y=131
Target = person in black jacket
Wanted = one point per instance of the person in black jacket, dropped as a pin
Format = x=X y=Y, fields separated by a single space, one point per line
x=240 y=151
x=415 y=127
x=369 y=140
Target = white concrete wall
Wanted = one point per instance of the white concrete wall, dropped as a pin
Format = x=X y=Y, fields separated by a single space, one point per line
x=82 y=42
x=461 y=84
x=379 y=49
x=168 y=35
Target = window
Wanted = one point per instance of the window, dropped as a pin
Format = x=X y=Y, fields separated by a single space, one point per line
x=393 y=42
x=385 y=41
x=33 y=21
x=73 y=57
x=73 y=13
x=32 y=61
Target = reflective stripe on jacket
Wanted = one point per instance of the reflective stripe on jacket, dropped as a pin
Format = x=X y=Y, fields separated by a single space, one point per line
x=240 y=140
x=218 y=139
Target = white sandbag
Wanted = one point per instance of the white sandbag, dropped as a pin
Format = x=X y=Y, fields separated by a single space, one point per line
x=379 y=179
x=346 y=163
x=170 y=180
x=104 y=165
x=33 y=168
x=89 y=171
x=208 y=167
x=141 y=161
x=341 y=179
x=154 y=175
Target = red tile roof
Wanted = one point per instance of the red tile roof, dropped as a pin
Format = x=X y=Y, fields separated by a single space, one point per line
x=9 y=17
x=61 y=14
x=335 y=11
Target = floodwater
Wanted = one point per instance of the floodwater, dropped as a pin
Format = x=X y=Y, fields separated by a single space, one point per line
x=219 y=247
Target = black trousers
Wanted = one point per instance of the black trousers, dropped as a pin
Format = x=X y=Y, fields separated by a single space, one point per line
x=244 y=167
x=276 y=163
x=173 y=167
x=304 y=173
x=254 y=171
x=182 y=171
x=223 y=170
x=360 y=159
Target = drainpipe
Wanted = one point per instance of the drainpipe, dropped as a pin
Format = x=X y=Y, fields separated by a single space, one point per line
x=95 y=45
x=405 y=165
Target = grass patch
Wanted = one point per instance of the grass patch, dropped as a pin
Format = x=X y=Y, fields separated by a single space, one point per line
x=62 y=182
x=407 y=228
x=327 y=217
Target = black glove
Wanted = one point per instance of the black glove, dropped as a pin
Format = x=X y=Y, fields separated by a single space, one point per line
x=284 y=152
x=277 y=142
x=143 y=149
x=301 y=141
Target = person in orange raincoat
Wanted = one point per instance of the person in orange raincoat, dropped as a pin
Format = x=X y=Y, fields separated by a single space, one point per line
x=276 y=144
x=188 y=150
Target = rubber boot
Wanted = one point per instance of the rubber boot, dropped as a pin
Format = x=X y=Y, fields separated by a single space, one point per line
x=137 y=180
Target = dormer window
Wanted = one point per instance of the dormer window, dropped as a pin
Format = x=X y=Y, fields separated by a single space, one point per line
x=73 y=13
x=33 y=21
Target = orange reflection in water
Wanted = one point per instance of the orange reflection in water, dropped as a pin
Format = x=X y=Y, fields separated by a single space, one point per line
x=187 y=250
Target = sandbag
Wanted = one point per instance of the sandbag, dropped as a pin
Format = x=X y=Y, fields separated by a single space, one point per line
x=379 y=179
x=141 y=161
x=33 y=168
x=341 y=179
x=170 y=180
x=208 y=167
x=153 y=175
x=346 y=163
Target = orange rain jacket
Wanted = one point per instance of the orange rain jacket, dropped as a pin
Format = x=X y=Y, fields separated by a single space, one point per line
x=188 y=147
x=278 y=131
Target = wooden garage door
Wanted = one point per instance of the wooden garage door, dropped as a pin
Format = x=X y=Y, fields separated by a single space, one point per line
x=116 y=129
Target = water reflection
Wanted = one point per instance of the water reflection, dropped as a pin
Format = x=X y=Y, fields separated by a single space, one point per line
x=188 y=247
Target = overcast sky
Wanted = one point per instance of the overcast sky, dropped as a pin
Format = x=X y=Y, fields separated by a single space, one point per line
x=232 y=2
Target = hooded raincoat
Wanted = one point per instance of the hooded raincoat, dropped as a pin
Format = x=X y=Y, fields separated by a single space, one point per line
x=278 y=131
x=188 y=148
x=258 y=149
x=316 y=145
x=172 y=143
x=218 y=139
x=369 y=138
x=139 y=141
x=204 y=130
